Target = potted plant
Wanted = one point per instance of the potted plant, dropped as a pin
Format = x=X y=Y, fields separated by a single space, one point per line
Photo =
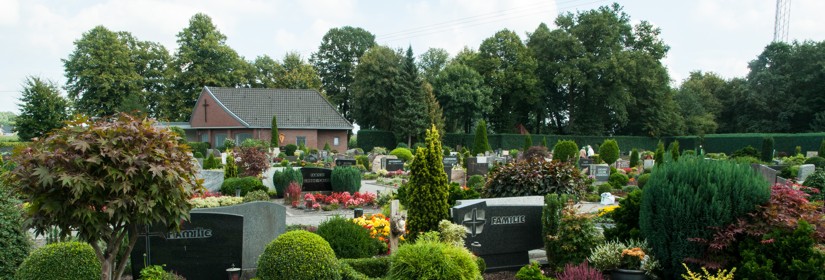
x=624 y=261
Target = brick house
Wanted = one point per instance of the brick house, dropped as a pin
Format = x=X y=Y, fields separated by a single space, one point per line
x=304 y=117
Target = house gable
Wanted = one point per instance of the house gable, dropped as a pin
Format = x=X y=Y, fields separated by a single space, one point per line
x=208 y=112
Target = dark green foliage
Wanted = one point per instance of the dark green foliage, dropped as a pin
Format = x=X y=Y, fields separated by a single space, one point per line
x=273 y=133
x=428 y=188
x=346 y=179
x=566 y=150
x=767 y=149
x=256 y=195
x=534 y=177
x=42 y=109
x=609 y=151
x=298 y=255
x=64 y=260
x=605 y=188
x=197 y=155
x=282 y=178
x=817 y=161
x=481 y=144
x=569 y=235
x=402 y=153
x=377 y=267
x=528 y=142
x=433 y=260
x=817 y=181
x=402 y=145
x=14 y=238
x=290 y=149
x=363 y=160
x=476 y=182
x=230 y=169
x=642 y=180
x=822 y=148
x=368 y=139
x=327 y=147
x=626 y=219
x=634 y=158
x=348 y=239
x=618 y=180
x=659 y=156
x=798 y=150
x=459 y=193
x=211 y=162
x=790 y=255
x=674 y=150
x=544 y=142
x=246 y=184
x=705 y=193
x=748 y=151
x=199 y=147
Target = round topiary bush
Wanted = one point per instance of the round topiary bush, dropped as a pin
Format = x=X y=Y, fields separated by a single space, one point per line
x=298 y=255
x=609 y=151
x=617 y=180
x=642 y=180
x=402 y=153
x=566 y=150
x=64 y=260
x=433 y=260
x=290 y=149
x=347 y=239
x=819 y=162
x=14 y=240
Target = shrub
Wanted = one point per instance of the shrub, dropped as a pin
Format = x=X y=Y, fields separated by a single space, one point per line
x=346 y=179
x=290 y=149
x=379 y=150
x=298 y=255
x=579 y=272
x=706 y=193
x=767 y=149
x=822 y=148
x=64 y=260
x=626 y=218
x=570 y=235
x=199 y=147
x=659 y=156
x=634 y=158
x=528 y=142
x=273 y=133
x=211 y=162
x=748 y=151
x=255 y=143
x=642 y=180
x=817 y=161
x=674 y=150
x=215 y=201
x=816 y=181
x=536 y=152
x=347 y=239
x=609 y=151
x=534 y=177
x=256 y=195
x=228 y=144
x=605 y=188
x=230 y=169
x=480 y=143
x=451 y=233
x=14 y=238
x=722 y=274
x=460 y=193
x=282 y=178
x=433 y=260
x=377 y=267
x=566 y=150
x=428 y=191
x=363 y=160
x=293 y=193
x=246 y=184
x=253 y=161
x=476 y=182
x=197 y=155
x=402 y=153
x=156 y=272
x=782 y=254
x=618 y=180
x=531 y=271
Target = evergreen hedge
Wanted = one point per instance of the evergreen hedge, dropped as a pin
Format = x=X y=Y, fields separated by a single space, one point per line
x=767 y=149
x=199 y=147
x=282 y=178
x=685 y=199
x=346 y=179
x=368 y=139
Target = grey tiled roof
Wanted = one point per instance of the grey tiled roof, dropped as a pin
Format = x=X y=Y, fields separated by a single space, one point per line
x=296 y=108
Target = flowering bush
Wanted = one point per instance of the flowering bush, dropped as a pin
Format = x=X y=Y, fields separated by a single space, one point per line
x=215 y=201
x=378 y=226
x=607 y=210
x=355 y=200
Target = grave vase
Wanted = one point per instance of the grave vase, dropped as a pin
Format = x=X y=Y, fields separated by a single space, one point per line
x=627 y=274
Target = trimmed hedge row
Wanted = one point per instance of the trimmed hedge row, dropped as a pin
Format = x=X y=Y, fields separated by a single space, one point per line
x=368 y=139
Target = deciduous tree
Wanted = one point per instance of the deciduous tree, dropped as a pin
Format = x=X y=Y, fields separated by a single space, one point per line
x=463 y=96
x=375 y=88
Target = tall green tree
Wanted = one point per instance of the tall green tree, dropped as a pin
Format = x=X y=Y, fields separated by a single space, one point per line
x=411 y=110
x=435 y=115
x=273 y=134
x=299 y=74
x=42 y=109
x=267 y=72
x=549 y=48
x=428 y=188
x=432 y=62
x=376 y=84
x=609 y=151
x=508 y=68
x=100 y=73
x=481 y=144
x=202 y=59
x=7 y=118
x=151 y=61
x=463 y=95
x=698 y=103
x=336 y=60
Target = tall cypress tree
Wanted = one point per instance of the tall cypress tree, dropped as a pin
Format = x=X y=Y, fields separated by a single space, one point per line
x=481 y=145
x=528 y=142
x=428 y=188
x=767 y=149
x=274 y=132
x=411 y=116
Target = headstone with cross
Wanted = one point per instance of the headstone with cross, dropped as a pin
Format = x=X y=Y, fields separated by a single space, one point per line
x=501 y=230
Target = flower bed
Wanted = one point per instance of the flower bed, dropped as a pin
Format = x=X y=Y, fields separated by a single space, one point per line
x=339 y=199
x=378 y=225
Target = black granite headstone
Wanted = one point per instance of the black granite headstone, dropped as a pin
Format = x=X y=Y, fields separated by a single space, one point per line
x=393 y=164
x=449 y=162
x=601 y=172
x=584 y=162
x=476 y=166
x=501 y=234
x=204 y=248
x=317 y=179
x=345 y=162
x=311 y=158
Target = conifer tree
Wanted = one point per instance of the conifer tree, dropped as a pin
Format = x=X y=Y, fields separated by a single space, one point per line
x=273 y=142
x=659 y=156
x=528 y=142
x=634 y=158
x=767 y=149
x=230 y=169
x=428 y=187
x=481 y=145
x=544 y=141
x=674 y=150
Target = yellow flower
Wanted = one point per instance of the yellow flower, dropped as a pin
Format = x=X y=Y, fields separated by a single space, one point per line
x=607 y=210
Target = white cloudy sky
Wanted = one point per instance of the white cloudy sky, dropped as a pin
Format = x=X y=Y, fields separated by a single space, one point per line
x=708 y=35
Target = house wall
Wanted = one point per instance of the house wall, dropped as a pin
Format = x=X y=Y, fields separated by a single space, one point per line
x=315 y=138
x=328 y=136
x=215 y=115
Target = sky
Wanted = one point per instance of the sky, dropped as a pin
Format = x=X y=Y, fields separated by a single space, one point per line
x=719 y=36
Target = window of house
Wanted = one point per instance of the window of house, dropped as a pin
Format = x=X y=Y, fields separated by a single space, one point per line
x=242 y=136
x=219 y=138
x=335 y=141
x=205 y=137
x=301 y=141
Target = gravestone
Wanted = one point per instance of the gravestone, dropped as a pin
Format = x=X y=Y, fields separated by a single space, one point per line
x=316 y=179
x=449 y=162
x=607 y=199
x=477 y=166
x=378 y=162
x=501 y=230
x=311 y=158
x=345 y=162
x=584 y=163
x=622 y=164
x=810 y=154
x=600 y=171
x=805 y=170
x=457 y=175
x=292 y=158
x=391 y=164
x=648 y=163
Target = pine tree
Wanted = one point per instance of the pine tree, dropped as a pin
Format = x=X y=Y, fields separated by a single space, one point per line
x=659 y=156
x=481 y=145
x=411 y=116
x=428 y=187
x=634 y=158
x=273 y=142
x=674 y=150
x=528 y=142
